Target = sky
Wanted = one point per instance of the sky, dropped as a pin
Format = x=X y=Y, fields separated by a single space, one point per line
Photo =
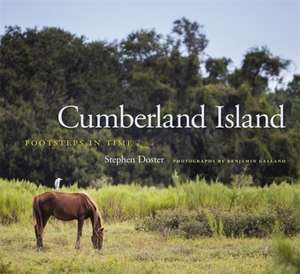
x=232 y=26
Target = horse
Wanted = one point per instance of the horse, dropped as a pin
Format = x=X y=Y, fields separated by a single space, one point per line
x=67 y=206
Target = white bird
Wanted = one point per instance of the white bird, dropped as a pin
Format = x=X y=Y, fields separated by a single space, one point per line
x=57 y=183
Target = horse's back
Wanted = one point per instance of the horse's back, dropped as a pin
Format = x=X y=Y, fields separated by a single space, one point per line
x=63 y=205
x=57 y=196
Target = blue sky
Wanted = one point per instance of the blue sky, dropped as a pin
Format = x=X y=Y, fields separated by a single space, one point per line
x=232 y=26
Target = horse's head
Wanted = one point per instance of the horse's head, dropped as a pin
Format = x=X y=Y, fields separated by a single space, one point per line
x=97 y=238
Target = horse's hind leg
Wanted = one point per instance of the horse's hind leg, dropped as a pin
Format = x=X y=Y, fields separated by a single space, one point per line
x=38 y=229
x=38 y=236
x=79 y=232
x=45 y=220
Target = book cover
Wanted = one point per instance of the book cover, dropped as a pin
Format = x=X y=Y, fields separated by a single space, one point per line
x=149 y=136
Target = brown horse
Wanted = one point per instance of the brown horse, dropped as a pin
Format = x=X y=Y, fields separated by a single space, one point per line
x=66 y=207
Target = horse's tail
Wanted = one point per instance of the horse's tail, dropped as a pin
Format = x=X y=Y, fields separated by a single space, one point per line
x=37 y=214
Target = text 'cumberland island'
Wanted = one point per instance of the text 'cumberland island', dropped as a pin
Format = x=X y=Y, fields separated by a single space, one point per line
x=123 y=119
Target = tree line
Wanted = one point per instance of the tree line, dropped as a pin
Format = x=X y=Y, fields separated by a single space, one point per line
x=43 y=70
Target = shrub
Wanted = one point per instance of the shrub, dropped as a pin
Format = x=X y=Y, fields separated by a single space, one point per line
x=5 y=268
x=194 y=228
x=247 y=224
x=217 y=223
x=286 y=256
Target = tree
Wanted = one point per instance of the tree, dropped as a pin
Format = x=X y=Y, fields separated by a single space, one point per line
x=43 y=70
x=190 y=35
x=259 y=67
x=217 y=69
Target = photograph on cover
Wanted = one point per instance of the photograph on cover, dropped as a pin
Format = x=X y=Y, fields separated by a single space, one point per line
x=150 y=136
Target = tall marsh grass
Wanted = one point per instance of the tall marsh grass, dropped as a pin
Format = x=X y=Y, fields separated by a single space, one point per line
x=124 y=202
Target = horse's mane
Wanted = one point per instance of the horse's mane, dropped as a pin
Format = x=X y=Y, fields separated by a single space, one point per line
x=91 y=201
x=97 y=215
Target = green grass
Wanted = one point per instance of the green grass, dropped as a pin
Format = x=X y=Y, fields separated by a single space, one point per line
x=129 y=251
x=126 y=202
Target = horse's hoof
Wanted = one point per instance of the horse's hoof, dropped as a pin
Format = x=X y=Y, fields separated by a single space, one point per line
x=38 y=249
x=77 y=247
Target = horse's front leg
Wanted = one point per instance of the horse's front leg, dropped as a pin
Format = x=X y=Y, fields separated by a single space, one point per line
x=79 y=232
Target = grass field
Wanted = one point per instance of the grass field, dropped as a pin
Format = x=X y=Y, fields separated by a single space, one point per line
x=127 y=202
x=129 y=251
